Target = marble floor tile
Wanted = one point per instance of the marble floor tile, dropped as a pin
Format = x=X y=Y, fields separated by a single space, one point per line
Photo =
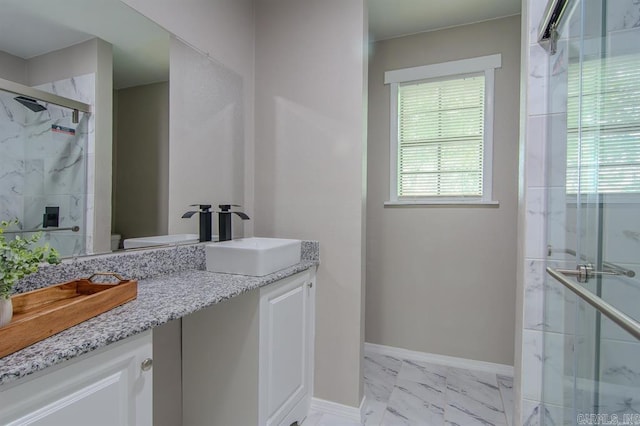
x=408 y=392
x=373 y=412
x=505 y=384
x=413 y=403
x=477 y=385
x=319 y=418
x=312 y=418
x=422 y=372
x=463 y=409
x=380 y=373
x=333 y=420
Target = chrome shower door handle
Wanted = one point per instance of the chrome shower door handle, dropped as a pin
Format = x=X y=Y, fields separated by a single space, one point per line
x=585 y=272
x=626 y=322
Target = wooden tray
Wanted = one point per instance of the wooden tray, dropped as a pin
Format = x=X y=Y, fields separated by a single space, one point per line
x=44 y=312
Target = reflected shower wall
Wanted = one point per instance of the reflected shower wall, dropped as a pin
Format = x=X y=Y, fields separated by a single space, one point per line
x=46 y=162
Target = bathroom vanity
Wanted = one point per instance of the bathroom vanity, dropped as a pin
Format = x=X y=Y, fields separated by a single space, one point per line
x=247 y=345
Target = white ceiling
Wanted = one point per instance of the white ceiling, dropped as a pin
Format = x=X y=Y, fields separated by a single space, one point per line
x=394 y=18
x=31 y=28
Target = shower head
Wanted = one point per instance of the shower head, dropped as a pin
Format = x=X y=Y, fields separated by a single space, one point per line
x=32 y=104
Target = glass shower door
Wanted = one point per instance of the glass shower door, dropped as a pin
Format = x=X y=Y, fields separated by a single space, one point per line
x=44 y=168
x=591 y=373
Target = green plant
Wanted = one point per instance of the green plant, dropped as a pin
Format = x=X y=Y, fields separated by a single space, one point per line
x=18 y=258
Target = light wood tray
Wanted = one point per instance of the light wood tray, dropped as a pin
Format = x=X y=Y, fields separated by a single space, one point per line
x=41 y=313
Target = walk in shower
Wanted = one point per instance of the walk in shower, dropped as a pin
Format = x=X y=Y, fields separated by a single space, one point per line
x=44 y=162
x=591 y=368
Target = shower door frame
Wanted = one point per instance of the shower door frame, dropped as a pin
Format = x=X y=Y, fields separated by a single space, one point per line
x=590 y=209
x=41 y=95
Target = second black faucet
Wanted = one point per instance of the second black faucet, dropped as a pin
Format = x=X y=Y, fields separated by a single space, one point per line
x=224 y=220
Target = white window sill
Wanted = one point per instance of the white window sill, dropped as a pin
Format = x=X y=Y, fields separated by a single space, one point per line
x=441 y=203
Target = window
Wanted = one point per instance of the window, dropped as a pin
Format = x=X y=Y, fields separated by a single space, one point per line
x=603 y=126
x=441 y=132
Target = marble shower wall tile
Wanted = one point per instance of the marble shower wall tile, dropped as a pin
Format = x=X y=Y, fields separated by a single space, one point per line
x=535 y=228
x=536 y=414
x=623 y=42
x=623 y=293
x=623 y=15
x=34 y=207
x=538 y=80
x=620 y=377
x=536 y=135
x=12 y=165
x=12 y=175
x=532 y=359
x=558 y=230
x=556 y=150
x=558 y=416
x=12 y=122
x=10 y=207
x=622 y=231
x=530 y=412
x=547 y=304
x=558 y=368
x=534 y=295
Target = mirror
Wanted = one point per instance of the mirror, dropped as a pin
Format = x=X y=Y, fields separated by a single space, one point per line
x=165 y=119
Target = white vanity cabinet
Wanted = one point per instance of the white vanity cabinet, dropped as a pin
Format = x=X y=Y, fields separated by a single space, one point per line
x=110 y=386
x=286 y=350
x=249 y=360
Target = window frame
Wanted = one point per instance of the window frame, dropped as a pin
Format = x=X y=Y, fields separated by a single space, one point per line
x=444 y=71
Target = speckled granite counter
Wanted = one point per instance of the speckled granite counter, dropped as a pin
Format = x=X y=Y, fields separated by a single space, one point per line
x=160 y=299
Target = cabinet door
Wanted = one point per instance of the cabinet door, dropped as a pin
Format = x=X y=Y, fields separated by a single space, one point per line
x=286 y=342
x=105 y=388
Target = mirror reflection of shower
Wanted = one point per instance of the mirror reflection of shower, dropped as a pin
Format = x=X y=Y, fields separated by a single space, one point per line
x=45 y=141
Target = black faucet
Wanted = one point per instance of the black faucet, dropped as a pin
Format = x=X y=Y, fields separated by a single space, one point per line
x=224 y=221
x=205 y=220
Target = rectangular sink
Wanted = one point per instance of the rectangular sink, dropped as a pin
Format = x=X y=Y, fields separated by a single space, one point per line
x=160 y=240
x=252 y=256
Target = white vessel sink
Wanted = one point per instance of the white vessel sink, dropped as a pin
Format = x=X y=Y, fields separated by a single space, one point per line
x=160 y=240
x=252 y=256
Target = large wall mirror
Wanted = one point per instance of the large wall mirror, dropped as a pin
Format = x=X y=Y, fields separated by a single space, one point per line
x=163 y=127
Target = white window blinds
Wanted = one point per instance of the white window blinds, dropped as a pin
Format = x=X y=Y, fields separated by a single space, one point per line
x=603 y=126
x=440 y=137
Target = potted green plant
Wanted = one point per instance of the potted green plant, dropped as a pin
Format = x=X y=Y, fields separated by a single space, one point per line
x=19 y=257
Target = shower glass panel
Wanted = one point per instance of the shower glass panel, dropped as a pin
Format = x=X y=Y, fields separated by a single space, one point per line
x=43 y=167
x=591 y=369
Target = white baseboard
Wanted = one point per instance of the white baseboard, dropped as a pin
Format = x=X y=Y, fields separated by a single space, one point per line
x=470 y=364
x=347 y=412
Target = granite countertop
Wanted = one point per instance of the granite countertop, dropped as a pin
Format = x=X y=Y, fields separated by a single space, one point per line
x=160 y=299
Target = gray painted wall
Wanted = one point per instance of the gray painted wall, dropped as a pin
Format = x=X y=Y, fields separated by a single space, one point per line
x=443 y=279
x=78 y=59
x=309 y=169
x=13 y=68
x=141 y=165
x=224 y=30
